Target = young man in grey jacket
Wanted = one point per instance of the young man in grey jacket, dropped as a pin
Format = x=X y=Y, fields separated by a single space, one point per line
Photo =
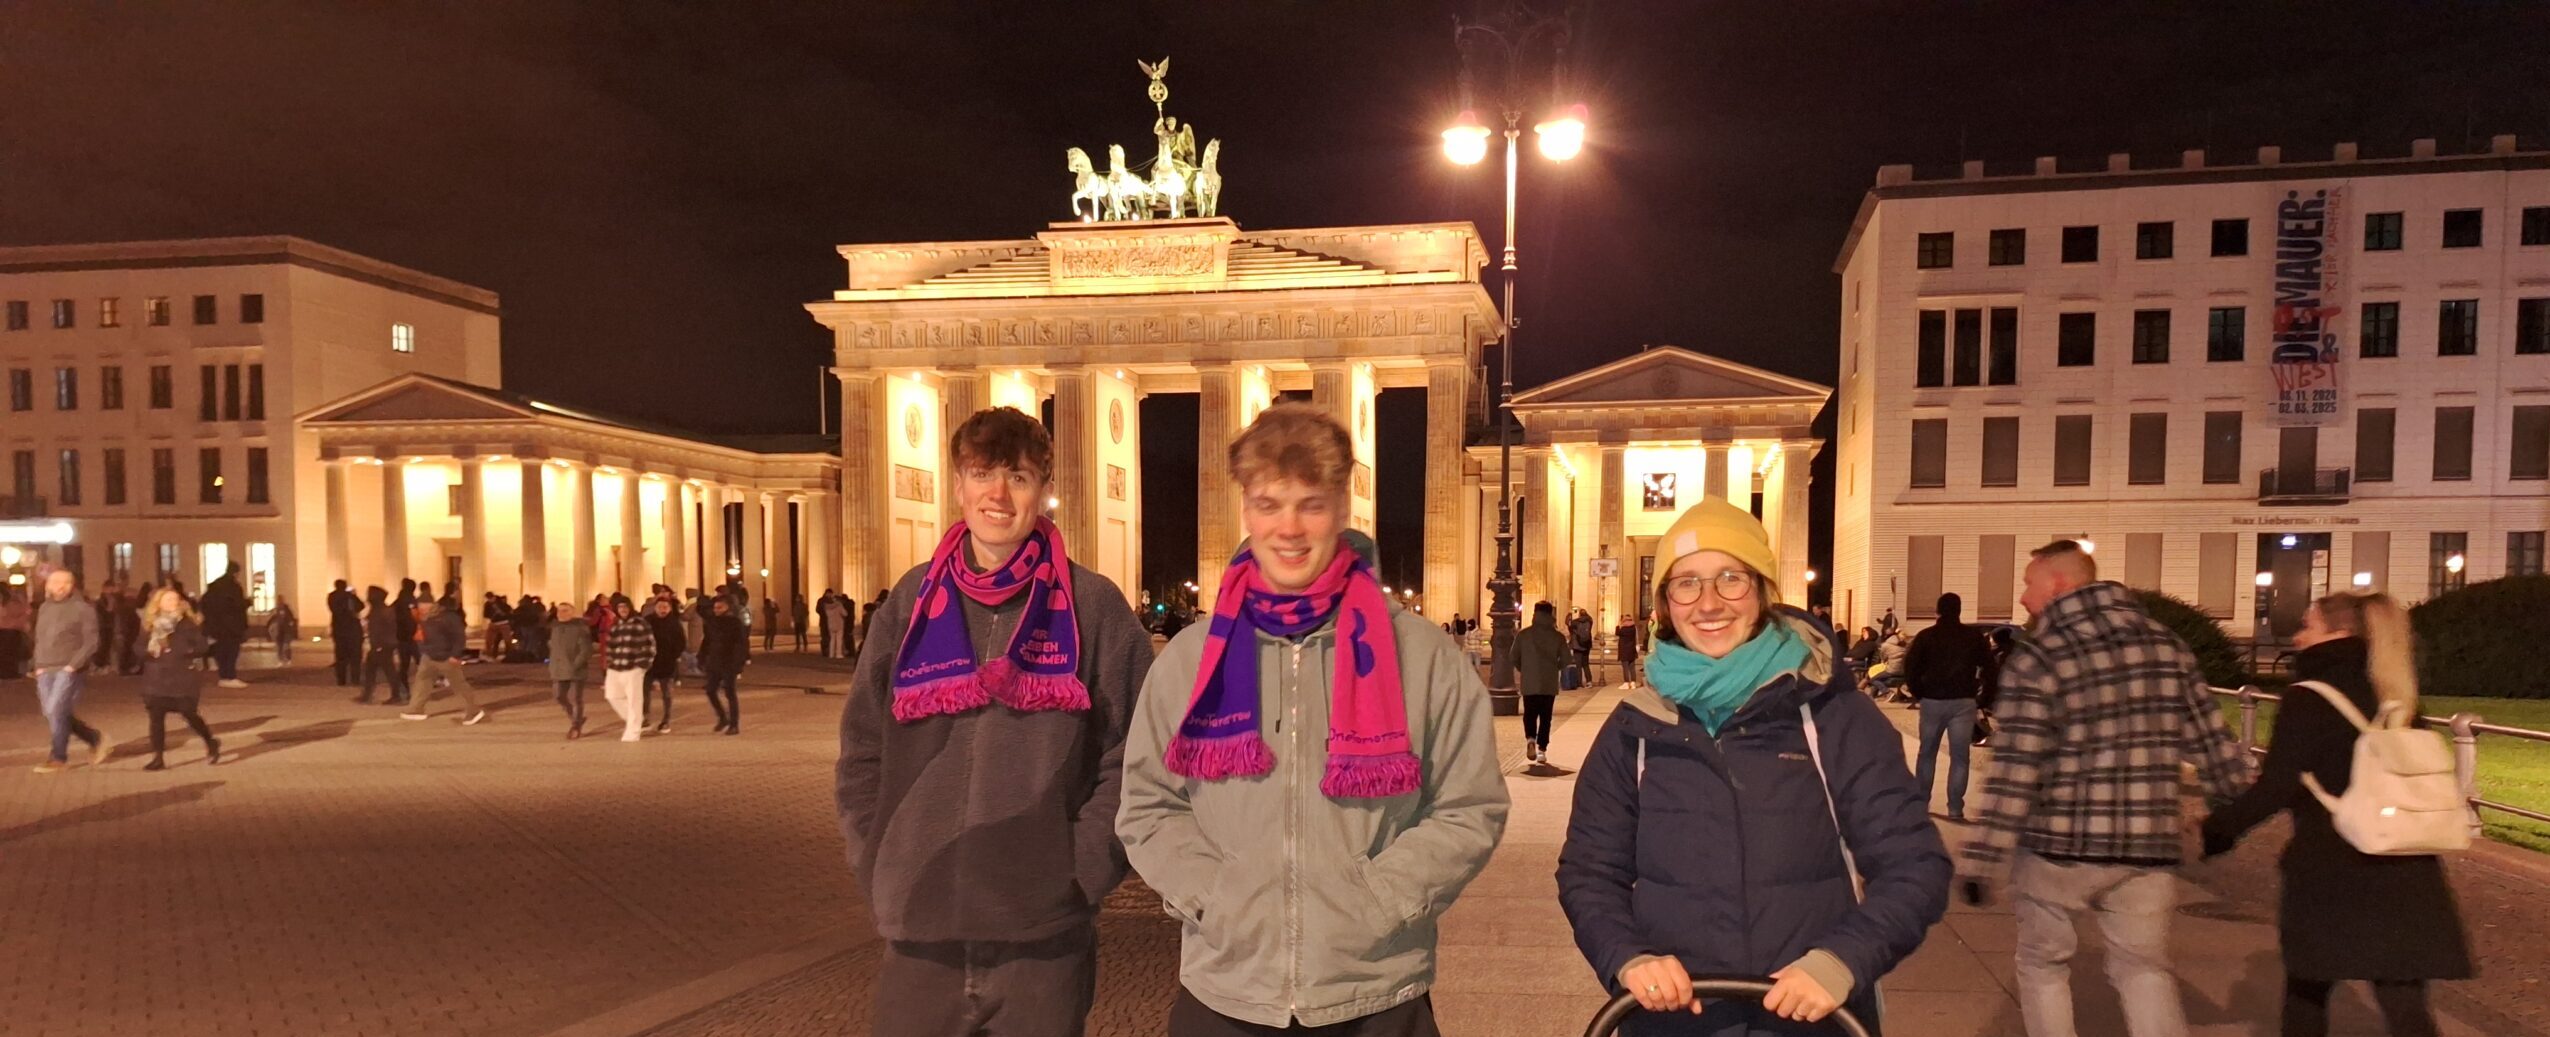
x=1311 y=777
x=981 y=752
x=65 y=638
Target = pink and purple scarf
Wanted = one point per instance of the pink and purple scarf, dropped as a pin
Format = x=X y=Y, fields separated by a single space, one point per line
x=934 y=670
x=1369 y=753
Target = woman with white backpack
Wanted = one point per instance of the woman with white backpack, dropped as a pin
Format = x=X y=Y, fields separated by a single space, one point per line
x=2387 y=918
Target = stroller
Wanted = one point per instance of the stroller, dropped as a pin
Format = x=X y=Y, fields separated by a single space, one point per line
x=1608 y=1021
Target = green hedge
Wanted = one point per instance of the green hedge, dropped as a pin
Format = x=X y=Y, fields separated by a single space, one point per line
x=2222 y=662
x=2487 y=639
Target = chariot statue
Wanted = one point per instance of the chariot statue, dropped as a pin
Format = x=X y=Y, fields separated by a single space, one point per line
x=1173 y=185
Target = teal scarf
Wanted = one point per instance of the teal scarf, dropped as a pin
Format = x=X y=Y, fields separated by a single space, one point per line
x=1713 y=689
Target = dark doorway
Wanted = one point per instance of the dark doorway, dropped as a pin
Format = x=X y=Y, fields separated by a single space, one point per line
x=2298 y=565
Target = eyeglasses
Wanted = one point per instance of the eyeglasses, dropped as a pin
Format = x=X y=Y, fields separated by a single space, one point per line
x=1732 y=585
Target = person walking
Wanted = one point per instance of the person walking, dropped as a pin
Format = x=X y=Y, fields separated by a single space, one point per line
x=225 y=611
x=446 y=636
x=629 y=649
x=2098 y=708
x=345 y=634
x=1539 y=651
x=282 y=629
x=724 y=648
x=833 y=612
x=769 y=624
x=1011 y=660
x=65 y=638
x=1745 y=811
x=404 y=618
x=169 y=682
x=380 y=661
x=798 y=620
x=1580 y=639
x=1949 y=666
x=570 y=659
x=1311 y=779
x=499 y=617
x=2345 y=914
x=17 y=623
x=1624 y=639
x=665 y=629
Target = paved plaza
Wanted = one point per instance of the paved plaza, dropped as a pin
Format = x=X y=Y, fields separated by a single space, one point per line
x=347 y=872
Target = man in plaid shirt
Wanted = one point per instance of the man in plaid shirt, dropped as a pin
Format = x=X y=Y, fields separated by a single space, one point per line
x=2098 y=709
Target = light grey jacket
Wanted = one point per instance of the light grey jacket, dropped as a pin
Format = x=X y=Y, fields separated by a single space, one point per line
x=1297 y=906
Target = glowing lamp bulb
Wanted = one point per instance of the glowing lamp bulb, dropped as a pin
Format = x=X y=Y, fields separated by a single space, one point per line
x=1466 y=141
x=1564 y=136
x=2266 y=579
x=2454 y=564
x=2363 y=579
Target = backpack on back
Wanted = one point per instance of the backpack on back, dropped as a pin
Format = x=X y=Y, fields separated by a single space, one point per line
x=2402 y=797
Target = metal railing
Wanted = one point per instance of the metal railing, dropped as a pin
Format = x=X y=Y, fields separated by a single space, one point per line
x=2312 y=484
x=2466 y=727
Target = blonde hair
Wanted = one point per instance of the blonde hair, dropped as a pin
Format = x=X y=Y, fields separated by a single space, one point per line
x=2390 y=643
x=1297 y=441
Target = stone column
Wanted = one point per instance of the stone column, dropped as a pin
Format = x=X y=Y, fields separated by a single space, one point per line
x=339 y=545
x=1612 y=536
x=535 y=530
x=677 y=535
x=960 y=395
x=1447 y=430
x=755 y=525
x=473 y=531
x=1533 y=538
x=823 y=521
x=1789 y=539
x=588 y=544
x=783 y=556
x=1472 y=539
x=1076 y=432
x=712 y=524
x=1714 y=482
x=867 y=486
x=1217 y=530
x=394 y=558
x=632 y=577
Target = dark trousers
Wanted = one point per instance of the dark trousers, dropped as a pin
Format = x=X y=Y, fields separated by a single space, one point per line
x=1040 y=989
x=571 y=698
x=225 y=653
x=2403 y=1005
x=380 y=666
x=656 y=687
x=161 y=708
x=408 y=653
x=349 y=660
x=721 y=698
x=1189 y=1018
x=13 y=654
x=1536 y=717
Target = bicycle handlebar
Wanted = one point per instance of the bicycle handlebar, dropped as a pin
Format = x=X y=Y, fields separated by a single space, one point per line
x=1607 y=1022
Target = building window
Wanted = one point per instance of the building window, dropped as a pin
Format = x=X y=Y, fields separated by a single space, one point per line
x=17 y=315
x=2532 y=326
x=256 y=392
x=106 y=315
x=119 y=562
x=2080 y=244
x=167 y=562
x=21 y=389
x=2155 y=240
x=22 y=476
x=2380 y=336
x=163 y=387
x=2147 y=462
x=1922 y=570
x=65 y=313
x=2076 y=340
x=2536 y=225
x=2222 y=447
x=2457 y=327
x=1929 y=453
x=66 y=388
x=2447 y=562
x=208 y=405
x=252 y=308
x=1996 y=561
x=2529 y=456
x=451 y=500
x=207 y=309
x=1967 y=366
x=2461 y=228
x=1930 y=359
x=110 y=387
x=2383 y=231
x=230 y=395
x=2000 y=451
x=2231 y=237
x=1931 y=252
x=261 y=581
x=402 y=338
x=2002 y=365
x=2072 y=450
x=2523 y=553
x=163 y=479
x=212 y=560
x=2374 y=435
x=66 y=476
x=2226 y=334
x=2151 y=336
x=2452 y=444
x=2009 y=247
x=114 y=472
x=2217 y=564
x=2142 y=561
x=256 y=475
x=156 y=310
x=208 y=475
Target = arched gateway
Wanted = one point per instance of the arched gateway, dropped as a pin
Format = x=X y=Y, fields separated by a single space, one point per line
x=1093 y=316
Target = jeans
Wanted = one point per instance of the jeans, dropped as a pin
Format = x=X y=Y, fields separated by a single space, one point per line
x=571 y=698
x=2402 y=1001
x=225 y=653
x=656 y=686
x=721 y=699
x=1954 y=719
x=58 y=692
x=1536 y=717
x=2133 y=906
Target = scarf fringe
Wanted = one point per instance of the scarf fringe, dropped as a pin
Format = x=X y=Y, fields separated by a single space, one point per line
x=1370 y=777
x=1214 y=759
x=942 y=697
x=1037 y=692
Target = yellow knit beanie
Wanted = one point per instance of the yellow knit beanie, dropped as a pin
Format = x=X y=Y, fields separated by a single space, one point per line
x=1715 y=525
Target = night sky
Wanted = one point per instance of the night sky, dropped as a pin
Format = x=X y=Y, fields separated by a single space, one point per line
x=655 y=192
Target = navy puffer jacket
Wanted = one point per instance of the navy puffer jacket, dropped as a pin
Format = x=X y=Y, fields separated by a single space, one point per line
x=1722 y=851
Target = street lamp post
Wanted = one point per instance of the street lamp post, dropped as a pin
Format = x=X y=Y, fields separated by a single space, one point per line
x=1509 y=35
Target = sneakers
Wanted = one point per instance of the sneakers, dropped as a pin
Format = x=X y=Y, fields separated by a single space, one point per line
x=156 y=764
x=474 y=717
x=104 y=748
x=233 y=682
x=52 y=767
x=630 y=736
x=664 y=728
x=1531 y=751
x=411 y=716
x=212 y=753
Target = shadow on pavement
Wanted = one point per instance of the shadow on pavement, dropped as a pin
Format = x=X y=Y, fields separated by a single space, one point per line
x=119 y=808
x=142 y=745
x=276 y=741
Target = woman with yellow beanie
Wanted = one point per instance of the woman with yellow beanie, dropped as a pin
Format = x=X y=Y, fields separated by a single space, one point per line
x=1745 y=811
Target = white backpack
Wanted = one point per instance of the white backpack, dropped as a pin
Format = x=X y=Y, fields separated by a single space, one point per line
x=2402 y=797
